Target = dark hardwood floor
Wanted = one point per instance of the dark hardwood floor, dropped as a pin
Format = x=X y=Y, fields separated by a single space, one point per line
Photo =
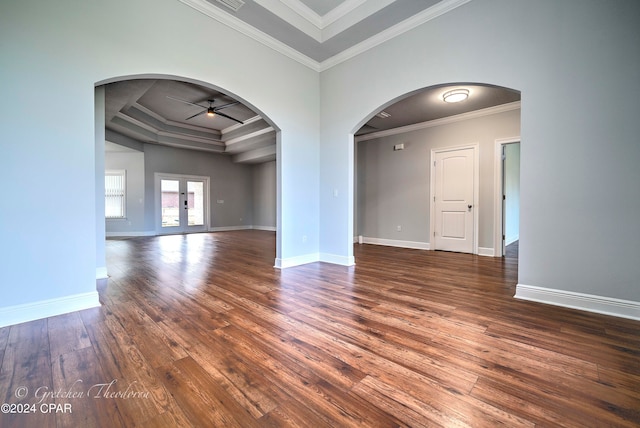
x=201 y=330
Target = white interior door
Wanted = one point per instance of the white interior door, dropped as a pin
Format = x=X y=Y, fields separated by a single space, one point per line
x=454 y=176
x=181 y=203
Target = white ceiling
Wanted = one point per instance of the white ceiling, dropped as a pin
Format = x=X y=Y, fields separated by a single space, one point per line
x=318 y=33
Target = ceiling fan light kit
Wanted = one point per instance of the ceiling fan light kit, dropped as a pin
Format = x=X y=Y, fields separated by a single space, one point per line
x=455 y=95
x=210 y=111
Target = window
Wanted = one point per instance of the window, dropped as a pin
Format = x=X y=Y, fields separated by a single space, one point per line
x=114 y=194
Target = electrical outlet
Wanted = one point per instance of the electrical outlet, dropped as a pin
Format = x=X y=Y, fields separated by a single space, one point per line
x=304 y=238
x=399 y=228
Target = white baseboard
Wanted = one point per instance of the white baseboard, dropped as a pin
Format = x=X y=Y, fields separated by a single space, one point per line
x=47 y=308
x=337 y=260
x=396 y=243
x=296 y=261
x=101 y=273
x=229 y=228
x=129 y=234
x=585 y=302
x=486 y=251
x=267 y=228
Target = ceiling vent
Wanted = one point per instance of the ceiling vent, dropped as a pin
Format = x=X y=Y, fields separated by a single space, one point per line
x=383 y=115
x=232 y=4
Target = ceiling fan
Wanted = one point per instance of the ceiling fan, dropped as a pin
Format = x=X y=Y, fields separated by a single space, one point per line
x=210 y=111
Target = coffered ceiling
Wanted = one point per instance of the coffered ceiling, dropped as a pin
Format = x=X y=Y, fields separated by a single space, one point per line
x=323 y=33
x=317 y=33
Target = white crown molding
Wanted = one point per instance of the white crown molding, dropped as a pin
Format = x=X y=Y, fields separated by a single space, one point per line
x=231 y=21
x=322 y=28
x=308 y=24
x=439 y=122
x=339 y=19
x=391 y=32
x=240 y=125
x=225 y=18
x=584 y=302
x=249 y=136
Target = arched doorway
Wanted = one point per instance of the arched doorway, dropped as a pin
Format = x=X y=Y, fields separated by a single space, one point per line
x=157 y=124
x=395 y=174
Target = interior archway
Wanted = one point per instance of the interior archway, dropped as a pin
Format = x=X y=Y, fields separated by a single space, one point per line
x=193 y=123
x=392 y=146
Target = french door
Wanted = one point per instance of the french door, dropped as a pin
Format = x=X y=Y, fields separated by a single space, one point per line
x=181 y=203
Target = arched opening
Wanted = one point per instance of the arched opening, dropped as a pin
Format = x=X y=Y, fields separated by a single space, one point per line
x=191 y=157
x=399 y=198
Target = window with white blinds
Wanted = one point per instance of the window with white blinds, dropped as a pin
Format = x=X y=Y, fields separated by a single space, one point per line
x=115 y=193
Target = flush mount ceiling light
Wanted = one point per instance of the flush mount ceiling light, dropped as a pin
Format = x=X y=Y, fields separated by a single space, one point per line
x=455 y=95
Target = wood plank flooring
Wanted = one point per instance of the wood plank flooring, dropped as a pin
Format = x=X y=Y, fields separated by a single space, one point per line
x=200 y=330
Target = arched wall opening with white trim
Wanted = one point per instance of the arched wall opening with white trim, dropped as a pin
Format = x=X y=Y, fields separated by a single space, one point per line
x=393 y=196
x=217 y=157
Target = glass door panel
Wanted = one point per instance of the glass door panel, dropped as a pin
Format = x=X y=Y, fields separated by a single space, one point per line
x=181 y=203
x=170 y=203
x=195 y=203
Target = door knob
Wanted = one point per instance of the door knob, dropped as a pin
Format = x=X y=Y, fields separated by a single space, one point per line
x=469 y=206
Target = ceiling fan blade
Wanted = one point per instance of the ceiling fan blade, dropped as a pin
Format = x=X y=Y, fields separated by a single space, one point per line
x=186 y=102
x=229 y=117
x=197 y=114
x=226 y=105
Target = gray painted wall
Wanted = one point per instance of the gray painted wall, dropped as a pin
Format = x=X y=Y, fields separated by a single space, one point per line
x=248 y=191
x=264 y=195
x=394 y=186
x=576 y=64
x=229 y=182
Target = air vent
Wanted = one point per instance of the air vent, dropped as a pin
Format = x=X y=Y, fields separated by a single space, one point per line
x=232 y=4
x=383 y=115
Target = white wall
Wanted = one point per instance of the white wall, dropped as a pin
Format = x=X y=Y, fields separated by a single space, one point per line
x=394 y=186
x=576 y=64
x=56 y=53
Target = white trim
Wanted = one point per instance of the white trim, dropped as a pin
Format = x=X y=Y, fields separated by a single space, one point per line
x=443 y=121
x=476 y=189
x=101 y=272
x=337 y=259
x=229 y=228
x=497 y=192
x=416 y=245
x=231 y=21
x=248 y=136
x=267 y=228
x=486 y=251
x=402 y=27
x=585 y=302
x=296 y=261
x=129 y=234
x=240 y=125
x=48 y=308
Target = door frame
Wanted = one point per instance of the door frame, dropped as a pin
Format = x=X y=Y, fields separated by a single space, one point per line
x=158 y=176
x=498 y=220
x=476 y=191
